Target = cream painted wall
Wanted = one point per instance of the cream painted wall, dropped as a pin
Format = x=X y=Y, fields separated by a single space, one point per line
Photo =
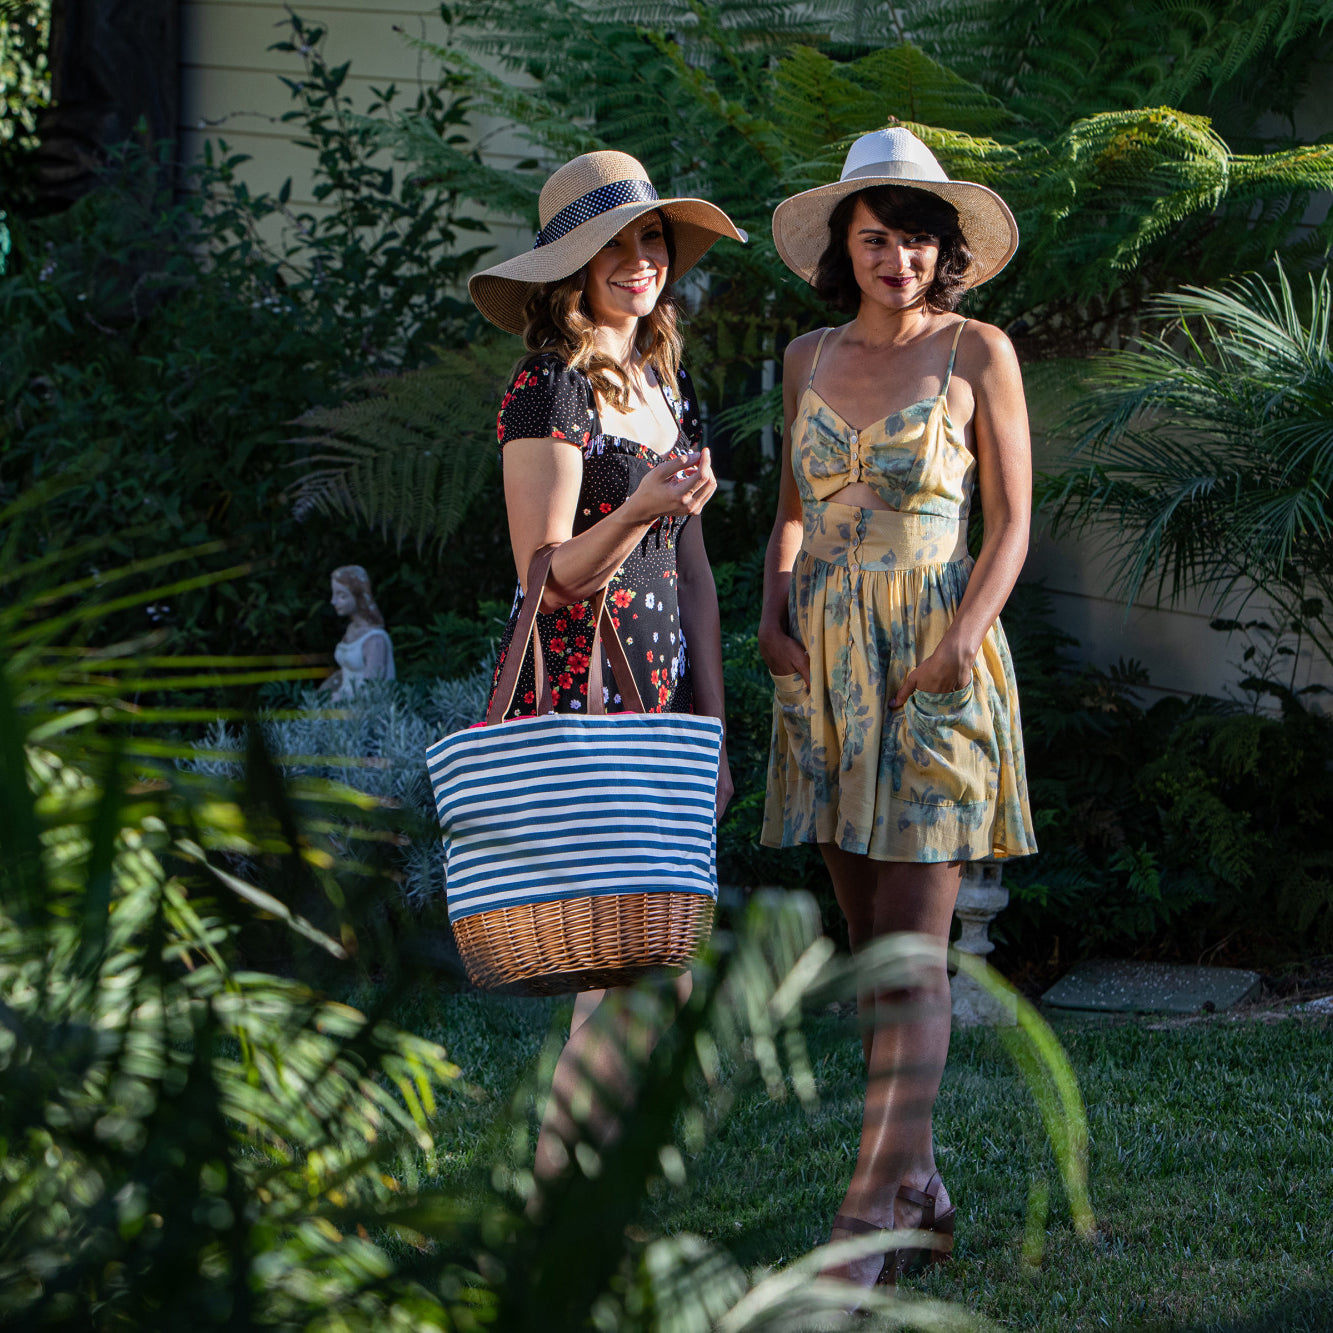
x=1182 y=653
x=231 y=88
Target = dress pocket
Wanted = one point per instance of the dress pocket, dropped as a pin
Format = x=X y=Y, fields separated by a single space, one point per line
x=943 y=749
x=791 y=703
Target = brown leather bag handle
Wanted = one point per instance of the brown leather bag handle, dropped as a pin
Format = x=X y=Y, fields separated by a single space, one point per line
x=524 y=633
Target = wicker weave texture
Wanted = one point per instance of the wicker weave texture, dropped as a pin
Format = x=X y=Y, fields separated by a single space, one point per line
x=582 y=943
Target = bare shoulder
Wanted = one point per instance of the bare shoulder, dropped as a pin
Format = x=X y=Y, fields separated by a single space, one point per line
x=800 y=354
x=984 y=349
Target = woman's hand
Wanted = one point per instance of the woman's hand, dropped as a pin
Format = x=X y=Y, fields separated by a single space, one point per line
x=945 y=670
x=675 y=488
x=725 y=787
x=782 y=654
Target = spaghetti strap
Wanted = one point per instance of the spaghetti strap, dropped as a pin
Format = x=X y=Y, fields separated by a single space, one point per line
x=953 y=352
x=819 y=347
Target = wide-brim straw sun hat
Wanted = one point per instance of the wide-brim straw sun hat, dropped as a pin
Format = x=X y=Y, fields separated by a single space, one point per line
x=896 y=157
x=583 y=205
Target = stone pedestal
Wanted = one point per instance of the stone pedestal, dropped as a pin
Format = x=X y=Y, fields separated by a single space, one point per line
x=981 y=898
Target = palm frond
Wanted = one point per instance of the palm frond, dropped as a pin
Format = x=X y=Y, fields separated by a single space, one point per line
x=1205 y=457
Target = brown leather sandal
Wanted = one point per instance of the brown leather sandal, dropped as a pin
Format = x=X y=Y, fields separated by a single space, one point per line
x=915 y=1258
x=858 y=1226
x=911 y=1259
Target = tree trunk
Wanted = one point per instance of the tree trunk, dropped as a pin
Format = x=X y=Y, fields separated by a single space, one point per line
x=115 y=75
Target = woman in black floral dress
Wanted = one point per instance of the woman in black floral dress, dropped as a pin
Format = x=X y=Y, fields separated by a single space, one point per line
x=549 y=400
x=602 y=453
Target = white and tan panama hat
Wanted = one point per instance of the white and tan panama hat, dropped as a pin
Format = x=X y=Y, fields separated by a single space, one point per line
x=896 y=157
x=581 y=207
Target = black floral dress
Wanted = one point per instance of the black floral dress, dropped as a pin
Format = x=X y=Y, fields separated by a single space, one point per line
x=547 y=399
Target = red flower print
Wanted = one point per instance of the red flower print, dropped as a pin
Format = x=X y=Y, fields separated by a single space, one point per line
x=557 y=646
x=499 y=432
x=529 y=697
x=583 y=688
x=650 y=654
x=663 y=694
x=562 y=624
x=578 y=662
x=576 y=612
x=566 y=681
x=558 y=434
x=615 y=620
x=580 y=641
x=622 y=597
x=586 y=437
x=604 y=507
x=656 y=677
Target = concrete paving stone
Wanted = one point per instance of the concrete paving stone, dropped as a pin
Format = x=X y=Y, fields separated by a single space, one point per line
x=1151 y=988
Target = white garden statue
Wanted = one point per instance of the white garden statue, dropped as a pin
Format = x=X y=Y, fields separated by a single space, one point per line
x=365 y=651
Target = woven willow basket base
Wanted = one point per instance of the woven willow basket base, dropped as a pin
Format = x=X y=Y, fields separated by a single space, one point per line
x=582 y=943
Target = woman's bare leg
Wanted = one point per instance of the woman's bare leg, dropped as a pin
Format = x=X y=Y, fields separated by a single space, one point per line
x=595 y=1075
x=907 y=1045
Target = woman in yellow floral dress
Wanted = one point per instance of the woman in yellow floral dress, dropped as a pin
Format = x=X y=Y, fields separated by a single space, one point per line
x=897 y=746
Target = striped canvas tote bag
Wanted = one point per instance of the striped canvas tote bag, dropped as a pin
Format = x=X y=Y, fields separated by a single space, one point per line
x=580 y=849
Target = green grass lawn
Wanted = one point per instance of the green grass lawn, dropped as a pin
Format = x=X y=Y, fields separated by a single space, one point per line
x=1211 y=1166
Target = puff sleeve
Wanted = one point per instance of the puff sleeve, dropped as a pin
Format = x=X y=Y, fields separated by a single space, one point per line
x=546 y=400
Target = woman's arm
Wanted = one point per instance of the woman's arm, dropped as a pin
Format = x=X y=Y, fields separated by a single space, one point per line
x=701 y=624
x=1004 y=475
x=542 y=480
x=783 y=654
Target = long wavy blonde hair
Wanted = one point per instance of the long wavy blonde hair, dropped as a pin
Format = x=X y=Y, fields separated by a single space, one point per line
x=556 y=319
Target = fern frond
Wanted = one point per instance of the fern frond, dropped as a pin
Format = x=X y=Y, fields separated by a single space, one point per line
x=408 y=457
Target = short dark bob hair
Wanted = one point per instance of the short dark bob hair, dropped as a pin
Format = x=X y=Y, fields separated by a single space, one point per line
x=905 y=209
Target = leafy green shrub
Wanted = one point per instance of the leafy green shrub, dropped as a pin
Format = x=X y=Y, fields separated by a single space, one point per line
x=1118 y=192
x=25 y=88
x=158 y=348
x=374 y=743
x=1174 y=825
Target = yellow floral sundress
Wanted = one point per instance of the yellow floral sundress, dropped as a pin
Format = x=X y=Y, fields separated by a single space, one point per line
x=872 y=593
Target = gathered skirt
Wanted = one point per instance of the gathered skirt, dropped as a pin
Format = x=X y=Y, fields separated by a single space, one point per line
x=941 y=778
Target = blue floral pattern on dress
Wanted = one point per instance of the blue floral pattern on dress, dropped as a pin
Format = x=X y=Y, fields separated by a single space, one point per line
x=872 y=594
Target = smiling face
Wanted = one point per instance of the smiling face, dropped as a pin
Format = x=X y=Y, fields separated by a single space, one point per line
x=627 y=275
x=343 y=599
x=893 y=268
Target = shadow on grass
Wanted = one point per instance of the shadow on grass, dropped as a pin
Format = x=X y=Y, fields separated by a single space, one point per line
x=1308 y=1310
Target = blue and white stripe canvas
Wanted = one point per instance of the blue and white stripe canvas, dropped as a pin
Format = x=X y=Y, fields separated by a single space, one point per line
x=542 y=809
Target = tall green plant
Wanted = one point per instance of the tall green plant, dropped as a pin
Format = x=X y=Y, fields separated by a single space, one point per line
x=158 y=346
x=1204 y=458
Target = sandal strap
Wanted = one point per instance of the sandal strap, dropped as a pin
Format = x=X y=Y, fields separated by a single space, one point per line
x=856 y=1225
x=924 y=1199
